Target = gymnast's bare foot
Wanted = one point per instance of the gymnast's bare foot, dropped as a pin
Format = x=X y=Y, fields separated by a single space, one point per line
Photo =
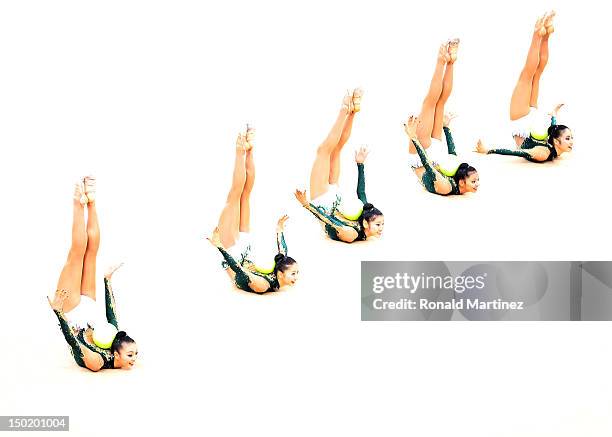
x=540 y=29
x=347 y=103
x=90 y=188
x=548 y=22
x=356 y=99
x=249 y=137
x=443 y=56
x=453 y=46
x=241 y=146
x=79 y=193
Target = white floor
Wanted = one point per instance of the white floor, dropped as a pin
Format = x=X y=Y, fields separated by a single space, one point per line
x=149 y=98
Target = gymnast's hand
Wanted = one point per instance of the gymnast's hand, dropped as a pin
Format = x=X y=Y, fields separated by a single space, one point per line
x=280 y=226
x=361 y=155
x=556 y=110
x=111 y=270
x=301 y=197
x=215 y=238
x=448 y=117
x=410 y=127
x=481 y=148
x=57 y=303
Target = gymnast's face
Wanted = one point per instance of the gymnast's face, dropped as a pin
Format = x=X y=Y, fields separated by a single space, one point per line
x=374 y=227
x=125 y=358
x=471 y=182
x=565 y=141
x=289 y=276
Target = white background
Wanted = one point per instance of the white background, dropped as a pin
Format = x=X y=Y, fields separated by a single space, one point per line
x=149 y=96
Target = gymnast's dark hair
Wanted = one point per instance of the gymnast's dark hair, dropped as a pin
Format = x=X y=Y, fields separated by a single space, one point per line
x=555 y=132
x=463 y=172
x=369 y=213
x=282 y=262
x=120 y=339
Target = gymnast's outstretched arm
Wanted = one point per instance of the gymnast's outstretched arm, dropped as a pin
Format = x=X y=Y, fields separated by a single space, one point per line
x=233 y=264
x=343 y=231
x=424 y=160
x=510 y=152
x=317 y=212
x=82 y=356
x=109 y=297
x=360 y=157
x=361 y=194
x=70 y=338
x=281 y=244
x=450 y=144
x=537 y=154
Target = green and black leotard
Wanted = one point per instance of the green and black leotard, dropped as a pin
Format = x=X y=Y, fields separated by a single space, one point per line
x=81 y=337
x=431 y=175
x=242 y=280
x=529 y=143
x=335 y=219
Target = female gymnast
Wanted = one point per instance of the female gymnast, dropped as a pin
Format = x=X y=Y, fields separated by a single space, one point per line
x=524 y=103
x=324 y=178
x=425 y=148
x=231 y=234
x=74 y=301
x=465 y=179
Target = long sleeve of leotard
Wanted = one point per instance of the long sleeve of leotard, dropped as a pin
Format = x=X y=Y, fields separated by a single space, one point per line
x=553 y=120
x=281 y=244
x=109 y=297
x=423 y=156
x=361 y=183
x=70 y=338
x=241 y=276
x=430 y=176
x=521 y=153
x=327 y=219
x=450 y=144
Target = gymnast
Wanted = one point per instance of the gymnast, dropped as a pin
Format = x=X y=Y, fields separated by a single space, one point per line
x=533 y=142
x=435 y=165
x=464 y=180
x=231 y=236
x=74 y=302
x=341 y=222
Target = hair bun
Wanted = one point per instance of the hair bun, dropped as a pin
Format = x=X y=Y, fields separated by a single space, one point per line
x=463 y=165
x=279 y=257
x=120 y=334
x=368 y=206
x=552 y=128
